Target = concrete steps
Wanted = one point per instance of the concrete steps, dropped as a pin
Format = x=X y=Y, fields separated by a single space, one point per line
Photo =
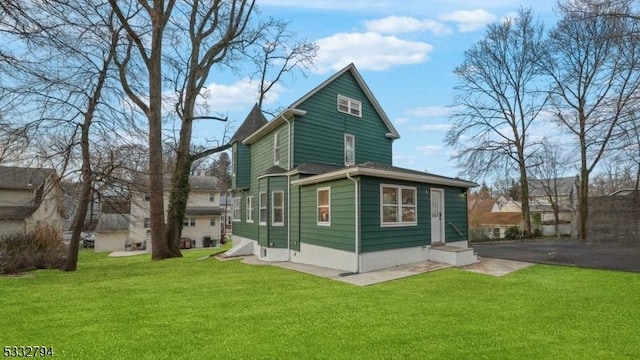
x=453 y=255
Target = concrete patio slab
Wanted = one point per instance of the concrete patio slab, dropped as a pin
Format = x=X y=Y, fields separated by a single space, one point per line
x=495 y=267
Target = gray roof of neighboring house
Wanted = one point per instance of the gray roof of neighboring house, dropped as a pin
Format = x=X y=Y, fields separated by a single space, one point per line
x=563 y=185
x=16 y=212
x=203 y=210
x=113 y=222
x=254 y=121
x=21 y=178
x=196 y=182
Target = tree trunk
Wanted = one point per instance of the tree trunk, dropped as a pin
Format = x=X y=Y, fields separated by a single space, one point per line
x=556 y=218
x=583 y=205
x=71 y=263
x=160 y=249
x=524 y=194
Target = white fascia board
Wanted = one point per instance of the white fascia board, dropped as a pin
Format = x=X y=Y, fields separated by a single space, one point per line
x=271 y=125
x=396 y=175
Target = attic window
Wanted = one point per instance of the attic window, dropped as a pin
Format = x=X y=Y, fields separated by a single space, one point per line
x=349 y=106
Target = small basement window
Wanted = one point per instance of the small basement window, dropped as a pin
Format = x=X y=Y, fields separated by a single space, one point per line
x=349 y=106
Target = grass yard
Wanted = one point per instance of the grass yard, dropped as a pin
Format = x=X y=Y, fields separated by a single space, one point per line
x=132 y=308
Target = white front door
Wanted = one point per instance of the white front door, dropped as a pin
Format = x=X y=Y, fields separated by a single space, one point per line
x=437 y=216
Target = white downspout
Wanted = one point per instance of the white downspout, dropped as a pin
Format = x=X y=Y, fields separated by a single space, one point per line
x=357 y=221
x=288 y=190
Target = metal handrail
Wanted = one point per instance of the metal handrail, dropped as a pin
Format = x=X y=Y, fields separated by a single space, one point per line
x=455 y=228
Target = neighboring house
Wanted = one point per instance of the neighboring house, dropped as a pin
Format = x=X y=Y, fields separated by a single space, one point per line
x=491 y=218
x=112 y=229
x=202 y=221
x=316 y=185
x=494 y=225
x=562 y=191
x=503 y=204
x=29 y=197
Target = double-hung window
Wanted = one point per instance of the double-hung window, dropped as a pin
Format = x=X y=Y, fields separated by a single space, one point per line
x=349 y=106
x=349 y=150
x=236 y=209
x=324 y=206
x=262 y=203
x=277 y=208
x=397 y=205
x=186 y=222
x=276 y=148
x=249 y=209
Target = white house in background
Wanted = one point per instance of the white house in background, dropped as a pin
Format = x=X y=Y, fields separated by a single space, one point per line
x=203 y=221
x=29 y=197
x=112 y=232
x=564 y=191
x=502 y=204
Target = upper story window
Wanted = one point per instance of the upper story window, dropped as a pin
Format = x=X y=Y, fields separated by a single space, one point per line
x=188 y=222
x=234 y=160
x=147 y=197
x=349 y=150
x=212 y=197
x=276 y=148
x=147 y=223
x=349 y=106
x=397 y=205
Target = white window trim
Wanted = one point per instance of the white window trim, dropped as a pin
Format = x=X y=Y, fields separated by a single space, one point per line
x=236 y=206
x=318 y=206
x=352 y=104
x=346 y=135
x=189 y=222
x=212 y=197
x=399 y=206
x=262 y=206
x=276 y=148
x=273 y=208
x=249 y=210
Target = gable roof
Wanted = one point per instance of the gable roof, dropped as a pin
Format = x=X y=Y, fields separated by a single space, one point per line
x=291 y=111
x=254 y=121
x=563 y=185
x=20 y=178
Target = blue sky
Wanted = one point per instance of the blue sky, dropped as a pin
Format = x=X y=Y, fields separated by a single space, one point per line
x=405 y=50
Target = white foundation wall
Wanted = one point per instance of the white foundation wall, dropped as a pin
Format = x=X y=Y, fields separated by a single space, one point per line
x=388 y=258
x=325 y=257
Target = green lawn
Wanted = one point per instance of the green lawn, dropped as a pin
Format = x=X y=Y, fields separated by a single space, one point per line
x=132 y=308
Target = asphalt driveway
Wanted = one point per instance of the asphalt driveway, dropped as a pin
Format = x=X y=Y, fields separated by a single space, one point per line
x=613 y=256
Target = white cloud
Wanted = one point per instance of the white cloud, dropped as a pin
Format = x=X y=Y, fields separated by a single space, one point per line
x=327 y=4
x=404 y=160
x=430 y=111
x=404 y=24
x=400 y=121
x=469 y=20
x=435 y=127
x=369 y=51
x=428 y=150
x=236 y=96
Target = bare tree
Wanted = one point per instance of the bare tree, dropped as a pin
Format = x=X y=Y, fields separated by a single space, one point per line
x=145 y=23
x=497 y=101
x=594 y=65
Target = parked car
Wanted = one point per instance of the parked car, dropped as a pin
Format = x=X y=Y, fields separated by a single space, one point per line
x=87 y=240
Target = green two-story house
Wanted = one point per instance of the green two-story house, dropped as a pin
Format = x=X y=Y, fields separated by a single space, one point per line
x=316 y=185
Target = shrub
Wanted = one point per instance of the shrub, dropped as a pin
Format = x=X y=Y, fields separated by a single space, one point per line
x=42 y=248
x=513 y=232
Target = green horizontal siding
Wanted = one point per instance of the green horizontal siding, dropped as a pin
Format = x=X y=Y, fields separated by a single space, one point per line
x=455 y=209
x=376 y=238
x=341 y=234
x=242 y=178
x=319 y=135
